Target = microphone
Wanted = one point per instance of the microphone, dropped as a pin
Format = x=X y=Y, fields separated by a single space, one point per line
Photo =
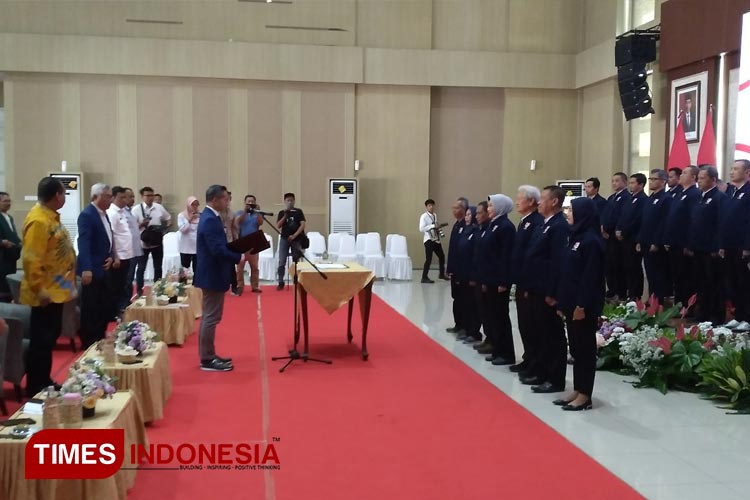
x=268 y=214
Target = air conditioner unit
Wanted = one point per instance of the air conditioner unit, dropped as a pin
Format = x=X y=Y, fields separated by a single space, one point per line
x=573 y=189
x=75 y=199
x=342 y=206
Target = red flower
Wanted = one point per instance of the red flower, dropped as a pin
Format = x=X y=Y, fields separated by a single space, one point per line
x=639 y=305
x=664 y=343
x=709 y=344
x=680 y=335
x=694 y=331
x=692 y=300
x=653 y=305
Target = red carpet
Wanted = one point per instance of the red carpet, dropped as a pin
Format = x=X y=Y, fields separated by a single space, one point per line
x=411 y=423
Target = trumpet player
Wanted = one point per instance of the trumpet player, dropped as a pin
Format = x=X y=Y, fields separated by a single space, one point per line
x=432 y=231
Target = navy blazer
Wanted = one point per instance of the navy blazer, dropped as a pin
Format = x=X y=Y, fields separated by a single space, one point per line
x=601 y=206
x=736 y=223
x=215 y=260
x=678 y=220
x=632 y=214
x=705 y=225
x=615 y=204
x=655 y=212
x=581 y=281
x=463 y=256
x=451 y=266
x=494 y=252
x=541 y=267
x=521 y=243
x=675 y=191
x=94 y=246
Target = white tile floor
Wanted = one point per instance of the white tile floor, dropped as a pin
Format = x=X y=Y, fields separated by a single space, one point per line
x=666 y=447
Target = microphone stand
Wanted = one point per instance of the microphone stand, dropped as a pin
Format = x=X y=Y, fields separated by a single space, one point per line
x=294 y=354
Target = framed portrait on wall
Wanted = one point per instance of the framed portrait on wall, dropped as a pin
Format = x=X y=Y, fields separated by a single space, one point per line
x=689 y=99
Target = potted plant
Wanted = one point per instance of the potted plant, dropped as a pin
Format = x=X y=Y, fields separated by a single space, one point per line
x=91 y=383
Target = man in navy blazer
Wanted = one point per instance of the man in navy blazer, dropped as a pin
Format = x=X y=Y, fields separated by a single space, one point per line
x=216 y=265
x=96 y=256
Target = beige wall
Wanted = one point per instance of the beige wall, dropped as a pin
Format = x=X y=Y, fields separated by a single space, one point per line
x=601 y=144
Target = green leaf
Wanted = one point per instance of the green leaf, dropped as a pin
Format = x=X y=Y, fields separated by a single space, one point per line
x=733 y=384
x=741 y=374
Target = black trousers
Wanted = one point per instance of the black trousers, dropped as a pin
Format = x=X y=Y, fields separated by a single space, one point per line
x=582 y=339
x=469 y=309
x=525 y=326
x=708 y=281
x=96 y=307
x=633 y=269
x=496 y=322
x=657 y=272
x=615 y=260
x=458 y=320
x=158 y=255
x=552 y=345
x=117 y=283
x=739 y=283
x=431 y=247
x=46 y=324
x=188 y=259
x=682 y=275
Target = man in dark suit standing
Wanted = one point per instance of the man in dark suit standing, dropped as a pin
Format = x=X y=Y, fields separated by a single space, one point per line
x=96 y=256
x=459 y=212
x=651 y=237
x=675 y=236
x=674 y=188
x=10 y=244
x=703 y=246
x=735 y=245
x=216 y=265
x=627 y=230
x=616 y=277
x=592 y=191
x=688 y=116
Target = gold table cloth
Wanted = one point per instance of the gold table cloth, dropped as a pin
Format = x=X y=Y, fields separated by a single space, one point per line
x=120 y=412
x=151 y=380
x=340 y=288
x=174 y=322
x=195 y=299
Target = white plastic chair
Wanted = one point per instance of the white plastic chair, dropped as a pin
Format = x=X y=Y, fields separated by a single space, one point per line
x=171 y=253
x=360 y=247
x=373 y=258
x=334 y=243
x=317 y=245
x=388 y=244
x=399 y=266
x=347 y=250
x=267 y=263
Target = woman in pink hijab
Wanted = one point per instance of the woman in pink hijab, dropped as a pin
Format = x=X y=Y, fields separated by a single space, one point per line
x=187 y=222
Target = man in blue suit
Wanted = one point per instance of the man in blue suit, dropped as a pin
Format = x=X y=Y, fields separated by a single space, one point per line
x=96 y=256
x=216 y=265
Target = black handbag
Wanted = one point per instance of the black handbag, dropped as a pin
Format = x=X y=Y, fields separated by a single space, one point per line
x=152 y=236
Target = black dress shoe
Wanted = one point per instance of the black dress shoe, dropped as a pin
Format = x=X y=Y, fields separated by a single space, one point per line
x=519 y=367
x=490 y=358
x=585 y=406
x=280 y=286
x=452 y=329
x=461 y=337
x=472 y=340
x=479 y=346
x=223 y=360
x=427 y=280
x=487 y=349
x=547 y=388
x=561 y=402
x=500 y=361
x=531 y=380
x=444 y=277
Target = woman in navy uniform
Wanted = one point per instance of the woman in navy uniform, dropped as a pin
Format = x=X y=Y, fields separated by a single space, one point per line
x=464 y=260
x=580 y=298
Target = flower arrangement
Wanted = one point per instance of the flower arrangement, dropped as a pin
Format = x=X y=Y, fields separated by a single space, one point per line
x=170 y=289
x=132 y=339
x=724 y=377
x=180 y=275
x=90 y=382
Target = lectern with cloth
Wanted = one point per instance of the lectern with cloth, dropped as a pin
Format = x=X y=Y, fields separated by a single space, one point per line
x=345 y=282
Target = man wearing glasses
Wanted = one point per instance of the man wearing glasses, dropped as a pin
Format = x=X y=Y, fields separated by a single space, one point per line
x=651 y=238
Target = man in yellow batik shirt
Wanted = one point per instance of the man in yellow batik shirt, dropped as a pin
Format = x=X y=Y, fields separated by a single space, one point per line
x=49 y=263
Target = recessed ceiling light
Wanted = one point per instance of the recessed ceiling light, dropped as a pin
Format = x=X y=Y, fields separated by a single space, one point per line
x=152 y=21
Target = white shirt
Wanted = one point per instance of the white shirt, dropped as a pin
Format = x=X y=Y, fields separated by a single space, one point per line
x=427 y=222
x=10 y=224
x=105 y=223
x=188 y=234
x=118 y=219
x=159 y=215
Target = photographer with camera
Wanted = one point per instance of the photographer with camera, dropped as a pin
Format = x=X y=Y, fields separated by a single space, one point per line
x=291 y=223
x=432 y=232
x=248 y=221
x=153 y=221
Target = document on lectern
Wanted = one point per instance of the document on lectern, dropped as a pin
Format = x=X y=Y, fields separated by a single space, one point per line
x=253 y=243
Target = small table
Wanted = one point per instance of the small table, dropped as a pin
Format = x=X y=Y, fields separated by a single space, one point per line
x=195 y=299
x=174 y=322
x=120 y=412
x=340 y=288
x=150 y=380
